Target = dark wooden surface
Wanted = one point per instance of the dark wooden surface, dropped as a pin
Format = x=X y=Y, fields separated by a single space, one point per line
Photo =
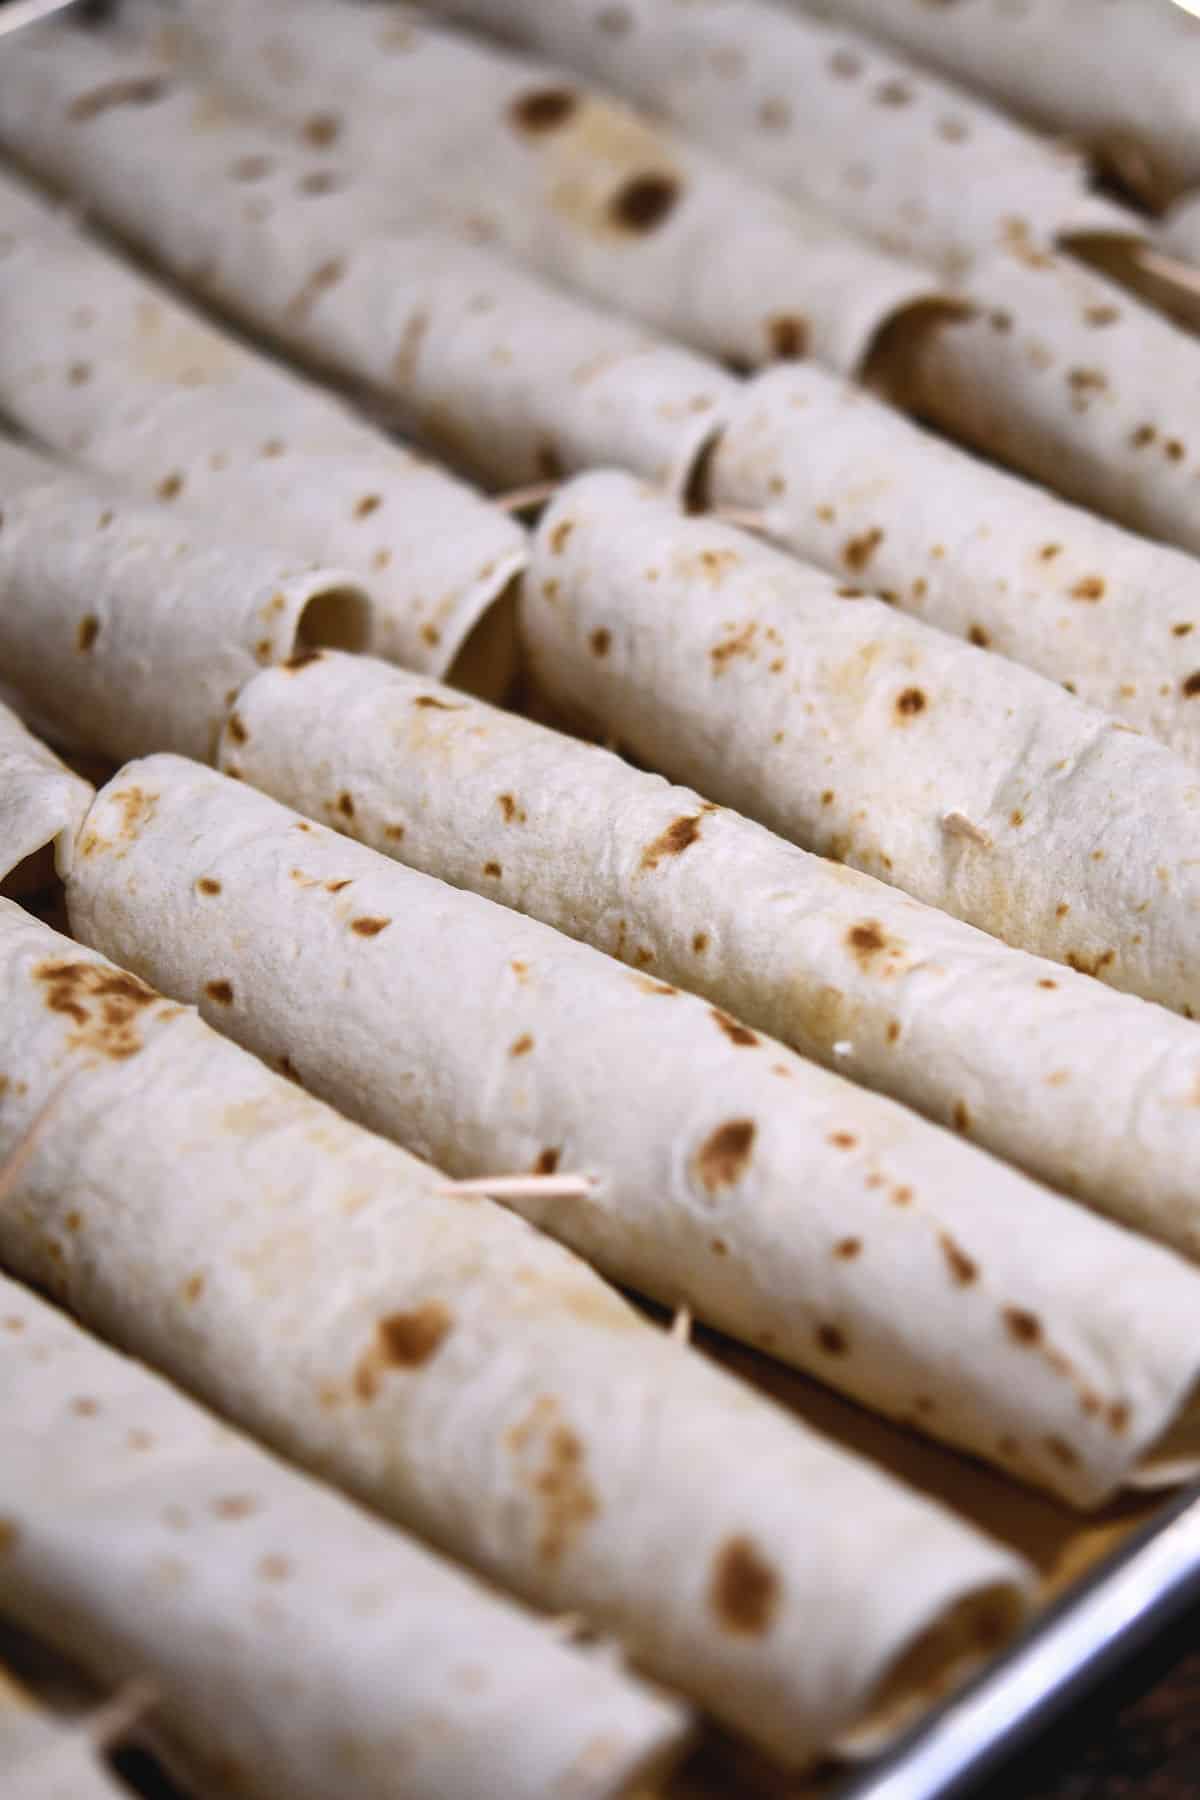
x=1135 y=1738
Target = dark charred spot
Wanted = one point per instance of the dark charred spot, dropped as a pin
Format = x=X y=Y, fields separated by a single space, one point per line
x=368 y=504
x=962 y=1267
x=548 y=1161
x=846 y=1249
x=679 y=835
x=1023 y=1327
x=724 y=1156
x=1190 y=685
x=961 y=1116
x=911 y=702
x=208 y=884
x=866 y=940
x=644 y=201
x=521 y=1046
x=409 y=1339
x=220 y=991
x=510 y=806
x=369 y=928
x=1100 y=315
x=321 y=129
x=237 y=729
x=345 y=805
x=979 y=637
x=170 y=486
x=843 y=1140
x=335 y=887
x=1062 y=1452
x=1088 y=587
x=700 y=942
x=1143 y=436
x=88 y=632
x=787 y=334
x=1173 y=450
x=737 y=1034
x=493 y=870
x=832 y=1340
x=857 y=553
x=744 y=1591
x=431 y=700
x=543 y=109
x=1181 y=630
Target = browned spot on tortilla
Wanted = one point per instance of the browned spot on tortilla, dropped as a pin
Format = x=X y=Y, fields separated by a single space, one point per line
x=565 y=1499
x=325 y=275
x=431 y=700
x=857 y=553
x=193 y=1287
x=394 y=833
x=1023 y=1327
x=893 y=93
x=1181 y=630
x=843 y=1140
x=845 y=64
x=962 y=1267
x=724 y=1156
x=220 y=991
x=739 y=643
x=403 y=1340
x=302 y=660
x=512 y=809
x=1088 y=587
x=521 y=1046
x=744 y=1591
x=132 y=90
x=679 y=836
x=368 y=504
x=832 y=1340
x=1100 y=315
x=661 y=989
x=1062 y=909
x=1190 y=685
x=979 y=637
x=345 y=805
x=369 y=927
x=543 y=109
x=336 y=887
x=787 y=334
x=1173 y=450
x=828 y=797
x=170 y=486
x=237 y=729
x=700 y=942
x=104 y=1004
x=1062 y=1452
x=493 y=870
x=74 y=1221
x=208 y=884
x=1118 y=1417
x=321 y=129
x=88 y=632
x=961 y=1116
x=1094 y=966
x=430 y=635
x=911 y=702
x=644 y=201
x=8 y=1536
x=867 y=940
x=846 y=1249
x=559 y=535
x=233 y=1506
x=548 y=1161
x=1084 y=382
x=737 y=1034
x=899 y=1196
x=893 y=1030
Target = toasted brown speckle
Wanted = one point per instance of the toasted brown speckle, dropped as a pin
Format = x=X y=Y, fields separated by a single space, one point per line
x=857 y=553
x=1062 y=1452
x=208 y=884
x=542 y=109
x=644 y=201
x=1023 y=1327
x=369 y=928
x=1088 y=587
x=679 y=836
x=170 y=486
x=847 y=1248
x=521 y=1046
x=961 y=1116
x=492 y=870
x=744 y=1592
x=787 y=335
x=88 y=632
x=559 y=535
x=368 y=504
x=832 y=1340
x=843 y=1140
x=548 y=1161
x=220 y=991
x=979 y=637
x=724 y=1156
x=963 y=1268
x=910 y=702
x=345 y=805
x=737 y=1034
x=1190 y=685
x=700 y=942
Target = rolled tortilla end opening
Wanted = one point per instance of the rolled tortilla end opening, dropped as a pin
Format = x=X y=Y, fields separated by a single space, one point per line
x=892 y=353
x=934 y=1664
x=488 y=662
x=333 y=618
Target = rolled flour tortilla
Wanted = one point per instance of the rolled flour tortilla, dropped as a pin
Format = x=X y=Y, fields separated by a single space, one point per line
x=128 y=625
x=105 y=366
x=786 y=941
x=1123 y=82
x=294 y=1644
x=485 y=1041
x=1181 y=232
x=462 y=1373
x=42 y=806
x=490 y=366
x=822 y=114
x=970 y=782
x=42 y=1757
x=1068 y=379
x=831 y=472
x=589 y=192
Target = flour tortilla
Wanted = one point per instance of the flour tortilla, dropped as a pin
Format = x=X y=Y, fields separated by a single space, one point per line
x=490 y=366
x=125 y=622
x=103 y=365
x=1101 y=1101
x=825 y=116
x=1181 y=233
x=42 y=1757
x=586 y=190
x=1069 y=380
x=42 y=805
x=829 y=471
x=972 y=783
x=1122 y=79
x=463 y=1374
x=294 y=1645
x=486 y=1042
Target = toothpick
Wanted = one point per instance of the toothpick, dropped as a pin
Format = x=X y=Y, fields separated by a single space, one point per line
x=957 y=824
x=520 y=499
x=1168 y=268
x=681 y=1325
x=111 y=1723
x=521 y=1187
